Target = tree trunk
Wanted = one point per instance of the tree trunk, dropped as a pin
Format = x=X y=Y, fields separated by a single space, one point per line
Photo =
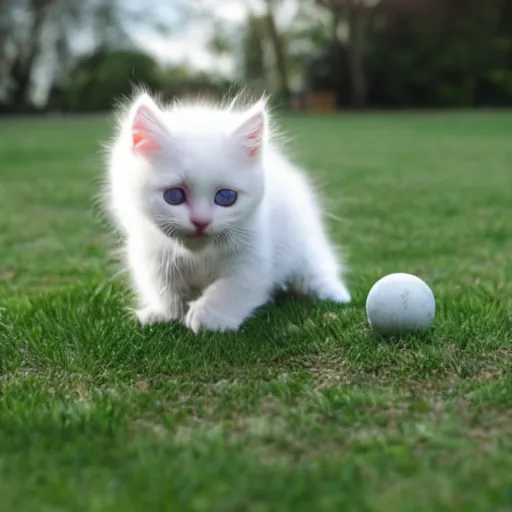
x=21 y=78
x=355 y=49
x=279 y=53
x=23 y=65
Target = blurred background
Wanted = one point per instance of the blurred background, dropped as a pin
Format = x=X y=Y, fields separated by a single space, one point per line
x=311 y=55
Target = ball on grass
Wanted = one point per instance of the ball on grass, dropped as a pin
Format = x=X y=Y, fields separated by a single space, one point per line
x=400 y=304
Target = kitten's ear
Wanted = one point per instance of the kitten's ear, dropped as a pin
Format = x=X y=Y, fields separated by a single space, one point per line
x=251 y=131
x=147 y=128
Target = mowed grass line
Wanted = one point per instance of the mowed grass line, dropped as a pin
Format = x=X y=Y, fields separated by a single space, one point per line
x=304 y=409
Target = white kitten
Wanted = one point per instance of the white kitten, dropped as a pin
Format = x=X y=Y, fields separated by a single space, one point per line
x=213 y=216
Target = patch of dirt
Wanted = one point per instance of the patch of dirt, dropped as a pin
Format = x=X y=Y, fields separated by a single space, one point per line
x=327 y=370
x=7 y=275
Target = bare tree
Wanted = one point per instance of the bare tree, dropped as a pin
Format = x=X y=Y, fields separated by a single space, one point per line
x=7 y=15
x=355 y=15
x=278 y=46
x=37 y=34
x=221 y=42
x=27 y=51
x=33 y=28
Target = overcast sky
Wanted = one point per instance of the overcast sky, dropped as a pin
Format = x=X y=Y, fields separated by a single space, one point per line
x=189 y=41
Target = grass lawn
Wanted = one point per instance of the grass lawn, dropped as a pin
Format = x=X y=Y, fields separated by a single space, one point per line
x=302 y=410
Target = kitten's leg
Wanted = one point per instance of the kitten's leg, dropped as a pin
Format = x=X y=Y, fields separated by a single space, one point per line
x=173 y=308
x=320 y=276
x=226 y=303
x=157 y=299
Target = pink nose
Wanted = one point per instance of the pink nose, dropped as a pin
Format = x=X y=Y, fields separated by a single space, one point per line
x=200 y=225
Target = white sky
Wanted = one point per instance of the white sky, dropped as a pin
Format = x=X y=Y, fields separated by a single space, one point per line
x=190 y=44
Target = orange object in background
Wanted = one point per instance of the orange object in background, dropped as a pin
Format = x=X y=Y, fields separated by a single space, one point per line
x=321 y=102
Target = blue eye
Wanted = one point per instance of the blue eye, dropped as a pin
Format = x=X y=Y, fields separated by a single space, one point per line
x=225 y=197
x=174 y=196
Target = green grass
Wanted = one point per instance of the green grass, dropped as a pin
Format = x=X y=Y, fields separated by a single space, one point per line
x=304 y=409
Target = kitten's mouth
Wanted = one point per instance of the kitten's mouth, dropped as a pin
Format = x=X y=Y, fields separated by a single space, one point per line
x=196 y=241
x=197 y=235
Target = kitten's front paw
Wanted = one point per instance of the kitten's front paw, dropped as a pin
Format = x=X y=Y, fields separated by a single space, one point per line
x=149 y=316
x=153 y=314
x=336 y=292
x=201 y=316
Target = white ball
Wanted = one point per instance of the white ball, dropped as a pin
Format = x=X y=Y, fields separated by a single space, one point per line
x=399 y=304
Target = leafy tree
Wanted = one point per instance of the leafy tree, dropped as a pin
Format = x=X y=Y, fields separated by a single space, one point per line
x=102 y=78
x=440 y=53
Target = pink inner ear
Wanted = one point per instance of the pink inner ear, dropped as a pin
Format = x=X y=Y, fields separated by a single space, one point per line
x=144 y=137
x=144 y=143
x=254 y=136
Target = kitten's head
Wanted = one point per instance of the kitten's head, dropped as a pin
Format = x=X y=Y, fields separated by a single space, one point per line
x=199 y=169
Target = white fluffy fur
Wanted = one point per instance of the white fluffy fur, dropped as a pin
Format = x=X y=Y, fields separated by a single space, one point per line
x=272 y=237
